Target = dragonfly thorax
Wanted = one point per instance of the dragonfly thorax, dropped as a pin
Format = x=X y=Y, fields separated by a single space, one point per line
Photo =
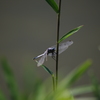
x=51 y=51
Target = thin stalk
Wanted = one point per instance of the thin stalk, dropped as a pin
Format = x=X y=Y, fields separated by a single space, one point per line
x=58 y=28
x=53 y=80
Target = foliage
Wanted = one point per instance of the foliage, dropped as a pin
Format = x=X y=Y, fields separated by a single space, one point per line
x=64 y=91
x=43 y=91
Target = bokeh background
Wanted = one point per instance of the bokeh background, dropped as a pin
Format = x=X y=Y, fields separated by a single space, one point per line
x=28 y=28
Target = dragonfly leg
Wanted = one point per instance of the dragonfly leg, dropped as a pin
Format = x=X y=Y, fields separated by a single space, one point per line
x=54 y=58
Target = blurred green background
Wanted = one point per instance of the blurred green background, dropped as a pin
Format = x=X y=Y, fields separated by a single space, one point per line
x=28 y=28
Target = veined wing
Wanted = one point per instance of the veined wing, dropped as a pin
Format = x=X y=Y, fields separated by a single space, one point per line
x=62 y=46
x=41 y=61
x=38 y=56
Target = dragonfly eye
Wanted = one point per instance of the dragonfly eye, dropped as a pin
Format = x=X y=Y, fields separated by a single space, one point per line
x=51 y=50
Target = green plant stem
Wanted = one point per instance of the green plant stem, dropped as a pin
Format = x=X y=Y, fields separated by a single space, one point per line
x=58 y=28
x=53 y=80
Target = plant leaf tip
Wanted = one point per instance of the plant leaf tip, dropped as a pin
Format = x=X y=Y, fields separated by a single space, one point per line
x=89 y=60
x=79 y=27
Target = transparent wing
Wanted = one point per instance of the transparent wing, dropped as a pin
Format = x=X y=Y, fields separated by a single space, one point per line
x=63 y=46
x=41 y=61
x=38 y=56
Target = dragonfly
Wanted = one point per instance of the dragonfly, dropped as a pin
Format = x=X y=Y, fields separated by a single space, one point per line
x=51 y=51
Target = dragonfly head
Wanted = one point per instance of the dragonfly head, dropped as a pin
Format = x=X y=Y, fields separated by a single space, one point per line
x=51 y=51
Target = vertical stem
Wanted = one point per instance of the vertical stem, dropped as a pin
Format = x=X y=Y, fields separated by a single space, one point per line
x=58 y=28
x=53 y=80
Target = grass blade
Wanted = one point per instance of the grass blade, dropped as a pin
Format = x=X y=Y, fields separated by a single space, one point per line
x=10 y=80
x=41 y=93
x=2 y=96
x=81 y=90
x=47 y=70
x=69 y=33
x=53 y=4
x=76 y=74
x=51 y=73
x=96 y=87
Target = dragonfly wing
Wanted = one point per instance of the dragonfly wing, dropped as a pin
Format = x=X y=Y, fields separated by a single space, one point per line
x=41 y=61
x=64 y=46
x=38 y=56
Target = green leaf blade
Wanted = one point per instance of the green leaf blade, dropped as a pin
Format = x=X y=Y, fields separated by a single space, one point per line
x=70 y=33
x=82 y=90
x=52 y=75
x=96 y=86
x=47 y=70
x=76 y=74
x=40 y=95
x=53 y=4
x=10 y=80
x=2 y=96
